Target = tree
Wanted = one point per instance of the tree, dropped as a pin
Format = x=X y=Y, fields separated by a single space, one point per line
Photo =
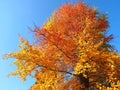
x=72 y=52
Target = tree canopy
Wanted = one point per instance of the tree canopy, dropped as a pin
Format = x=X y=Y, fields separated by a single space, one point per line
x=72 y=52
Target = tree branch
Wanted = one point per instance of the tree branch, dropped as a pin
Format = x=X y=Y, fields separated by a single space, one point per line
x=56 y=70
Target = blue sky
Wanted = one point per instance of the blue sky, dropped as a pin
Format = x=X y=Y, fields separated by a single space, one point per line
x=17 y=15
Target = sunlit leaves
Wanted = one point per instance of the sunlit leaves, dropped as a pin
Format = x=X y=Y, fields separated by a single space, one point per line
x=72 y=52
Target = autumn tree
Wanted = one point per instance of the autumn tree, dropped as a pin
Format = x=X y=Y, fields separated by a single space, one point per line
x=72 y=52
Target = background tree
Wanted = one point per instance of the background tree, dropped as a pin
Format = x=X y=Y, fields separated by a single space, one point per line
x=72 y=52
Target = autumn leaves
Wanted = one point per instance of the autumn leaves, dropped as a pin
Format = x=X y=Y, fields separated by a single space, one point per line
x=72 y=52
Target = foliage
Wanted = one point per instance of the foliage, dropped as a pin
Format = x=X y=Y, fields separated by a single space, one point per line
x=72 y=52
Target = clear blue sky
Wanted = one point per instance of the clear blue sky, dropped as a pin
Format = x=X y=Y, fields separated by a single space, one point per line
x=17 y=15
